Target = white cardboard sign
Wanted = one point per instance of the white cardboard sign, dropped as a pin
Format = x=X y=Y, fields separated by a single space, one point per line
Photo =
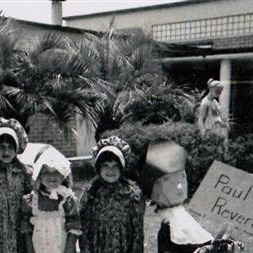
x=225 y=196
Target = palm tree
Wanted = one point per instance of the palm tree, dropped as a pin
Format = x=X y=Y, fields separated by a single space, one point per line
x=48 y=78
x=127 y=72
x=8 y=41
x=109 y=80
x=122 y=67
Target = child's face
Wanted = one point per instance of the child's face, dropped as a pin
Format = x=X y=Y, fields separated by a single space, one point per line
x=50 y=177
x=7 y=152
x=110 y=171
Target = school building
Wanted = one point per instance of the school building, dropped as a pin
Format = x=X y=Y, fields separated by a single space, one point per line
x=197 y=39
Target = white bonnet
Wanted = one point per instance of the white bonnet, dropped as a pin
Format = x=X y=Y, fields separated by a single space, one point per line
x=115 y=145
x=12 y=133
x=13 y=128
x=52 y=158
x=112 y=149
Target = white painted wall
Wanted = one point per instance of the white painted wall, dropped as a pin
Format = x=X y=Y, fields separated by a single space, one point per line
x=146 y=18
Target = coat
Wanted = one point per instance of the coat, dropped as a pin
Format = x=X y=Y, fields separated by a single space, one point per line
x=15 y=181
x=112 y=218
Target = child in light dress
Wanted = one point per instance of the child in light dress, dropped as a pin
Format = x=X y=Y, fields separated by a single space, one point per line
x=51 y=211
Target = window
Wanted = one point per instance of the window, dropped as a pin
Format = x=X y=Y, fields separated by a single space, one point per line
x=205 y=28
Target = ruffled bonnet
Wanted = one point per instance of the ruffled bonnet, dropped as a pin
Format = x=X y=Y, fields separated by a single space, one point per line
x=115 y=145
x=14 y=129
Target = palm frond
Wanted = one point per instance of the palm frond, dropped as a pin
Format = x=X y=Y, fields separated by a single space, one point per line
x=82 y=99
x=63 y=112
x=53 y=61
x=21 y=100
x=8 y=42
x=63 y=119
x=5 y=105
x=134 y=58
x=42 y=43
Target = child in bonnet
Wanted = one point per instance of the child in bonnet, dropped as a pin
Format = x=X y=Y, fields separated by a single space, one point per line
x=179 y=231
x=112 y=209
x=15 y=181
x=51 y=211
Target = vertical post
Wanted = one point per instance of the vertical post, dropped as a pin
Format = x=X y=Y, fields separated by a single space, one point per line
x=225 y=79
x=56 y=12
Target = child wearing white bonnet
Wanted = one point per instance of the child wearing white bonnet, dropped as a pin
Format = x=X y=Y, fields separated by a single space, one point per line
x=15 y=181
x=51 y=210
x=112 y=209
x=179 y=231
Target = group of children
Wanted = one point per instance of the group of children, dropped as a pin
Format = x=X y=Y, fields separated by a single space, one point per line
x=39 y=212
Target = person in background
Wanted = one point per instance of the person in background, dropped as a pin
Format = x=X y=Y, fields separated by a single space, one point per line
x=51 y=221
x=209 y=118
x=15 y=181
x=112 y=209
x=179 y=231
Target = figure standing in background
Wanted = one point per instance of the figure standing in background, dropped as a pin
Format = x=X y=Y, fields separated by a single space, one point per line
x=179 y=231
x=51 y=211
x=112 y=210
x=15 y=181
x=210 y=119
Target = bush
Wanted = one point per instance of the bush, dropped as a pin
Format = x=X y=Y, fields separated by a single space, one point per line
x=240 y=153
x=202 y=151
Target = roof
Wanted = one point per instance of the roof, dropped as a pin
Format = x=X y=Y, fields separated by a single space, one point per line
x=236 y=44
x=146 y=8
x=54 y=27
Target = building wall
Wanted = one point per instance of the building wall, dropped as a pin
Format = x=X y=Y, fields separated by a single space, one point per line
x=43 y=130
x=145 y=18
x=30 y=31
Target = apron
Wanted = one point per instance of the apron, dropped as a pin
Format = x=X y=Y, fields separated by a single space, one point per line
x=49 y=233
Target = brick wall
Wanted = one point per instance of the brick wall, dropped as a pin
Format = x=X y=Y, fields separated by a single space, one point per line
x=44 y=131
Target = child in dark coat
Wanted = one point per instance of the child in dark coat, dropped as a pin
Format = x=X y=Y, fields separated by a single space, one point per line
x=112 y=210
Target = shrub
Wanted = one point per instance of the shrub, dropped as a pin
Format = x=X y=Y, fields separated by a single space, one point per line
x=202 y=151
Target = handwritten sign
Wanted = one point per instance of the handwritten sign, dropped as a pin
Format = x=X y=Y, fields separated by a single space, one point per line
x=225 y=196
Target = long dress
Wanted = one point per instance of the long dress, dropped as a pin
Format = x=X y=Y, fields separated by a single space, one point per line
x=180 y=232
x=210 y=116
x=165 y=244
x=49 y=220
x=112 y=218
x=15 y=181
